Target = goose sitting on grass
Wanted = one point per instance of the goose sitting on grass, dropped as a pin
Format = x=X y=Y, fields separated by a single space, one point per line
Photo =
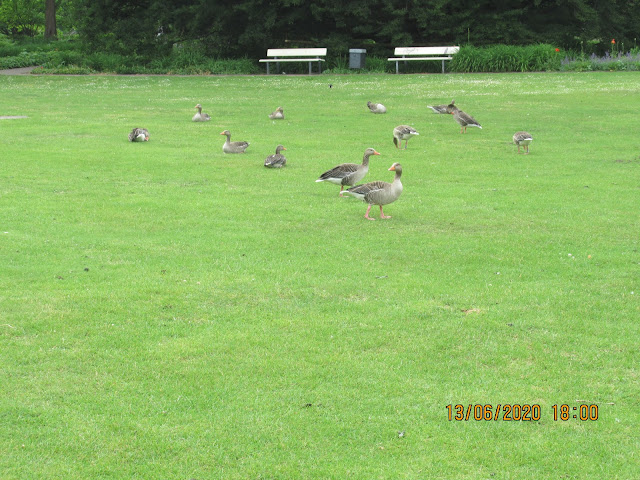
x=403 y=132
x=524 y=139
x=233 y=147
x=278 y=114
x=379 y=193
x=139 y=135
x=442 y=109
x=199 y=116
x=348 y=173
x=276 y=160
x=376 y=107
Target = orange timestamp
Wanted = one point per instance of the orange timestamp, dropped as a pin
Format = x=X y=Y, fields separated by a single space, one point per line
x=488 y=412
x=519 y=412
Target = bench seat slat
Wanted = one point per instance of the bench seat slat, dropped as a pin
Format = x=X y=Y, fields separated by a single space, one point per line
x=291 y=60
x=425 y=50
x=420 y=58
x=296 y=52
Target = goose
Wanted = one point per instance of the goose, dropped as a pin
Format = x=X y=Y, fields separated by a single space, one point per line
x=464 y=119
x=200 y=117
x=233 y=147
x=276 y=160
x=348 y=173
x=442 y=108
x=524 y=139
x=376 y=107
x=139 y=135
x=403 y=132
x=379 y=193
x=278 y=114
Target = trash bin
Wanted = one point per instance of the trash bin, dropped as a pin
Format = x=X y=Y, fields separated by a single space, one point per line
x=357 y=57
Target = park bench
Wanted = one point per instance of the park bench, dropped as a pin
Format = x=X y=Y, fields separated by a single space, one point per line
x=404 y=54
x=310 y=55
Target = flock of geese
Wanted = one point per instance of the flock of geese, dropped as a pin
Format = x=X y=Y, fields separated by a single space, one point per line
x=349 y=174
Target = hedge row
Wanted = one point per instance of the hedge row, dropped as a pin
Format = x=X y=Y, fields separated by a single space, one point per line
x=191 y=61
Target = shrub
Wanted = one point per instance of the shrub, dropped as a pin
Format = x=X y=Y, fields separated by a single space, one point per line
x=506 y=58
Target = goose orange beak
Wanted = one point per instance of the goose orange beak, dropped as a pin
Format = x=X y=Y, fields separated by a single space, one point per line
x=376 y=153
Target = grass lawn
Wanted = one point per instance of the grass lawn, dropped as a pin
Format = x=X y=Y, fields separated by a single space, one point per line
x=168 y=311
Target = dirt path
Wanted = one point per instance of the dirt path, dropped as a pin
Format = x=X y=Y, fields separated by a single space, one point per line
x=17 y=71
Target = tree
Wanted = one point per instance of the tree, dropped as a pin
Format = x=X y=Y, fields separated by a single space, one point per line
x=21 y=17
x=50 y=28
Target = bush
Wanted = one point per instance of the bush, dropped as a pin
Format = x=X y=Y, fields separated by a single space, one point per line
x=24 y=59
x=506 y=58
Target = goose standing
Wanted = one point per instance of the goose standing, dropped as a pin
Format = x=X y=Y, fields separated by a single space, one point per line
x=379 y=193
x=233 y=147
x=278 y=114
x=442 y=108
x=376 y=107
x=524 y=139
x=139 y=135
x=276 y=160
x=464 y=119
x=403 y=132
x=199 y=116
x=348 y=173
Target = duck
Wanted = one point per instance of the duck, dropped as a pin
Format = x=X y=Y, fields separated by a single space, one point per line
x=348 y=173
x=464 y=119
x=233 y=147
x=524 y=139
x=442 y=108
x=200 y=117
x=276 y=160
x=376 y=107
x=379 y=193
x=403 y=132
x=277 y=115
x=139 y=135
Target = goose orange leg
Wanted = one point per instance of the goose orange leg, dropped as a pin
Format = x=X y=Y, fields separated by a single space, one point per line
x=366 y=215
x=382 y=215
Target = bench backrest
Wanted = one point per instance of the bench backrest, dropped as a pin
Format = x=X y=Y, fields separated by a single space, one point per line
x=296 y=52
x=426 y=50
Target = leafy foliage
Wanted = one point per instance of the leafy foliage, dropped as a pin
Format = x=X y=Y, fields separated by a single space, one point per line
x=248 y=27
x=506 y=58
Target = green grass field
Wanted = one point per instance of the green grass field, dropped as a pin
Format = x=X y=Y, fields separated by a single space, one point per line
x=171 y=312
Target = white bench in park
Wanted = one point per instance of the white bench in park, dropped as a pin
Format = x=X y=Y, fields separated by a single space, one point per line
x=310 y=55
x=404 y=54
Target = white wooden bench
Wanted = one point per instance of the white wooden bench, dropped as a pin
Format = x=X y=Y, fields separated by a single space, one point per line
x=301 y=55
x=404 y=54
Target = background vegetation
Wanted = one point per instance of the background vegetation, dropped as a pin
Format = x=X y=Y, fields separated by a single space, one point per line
x=194 y=36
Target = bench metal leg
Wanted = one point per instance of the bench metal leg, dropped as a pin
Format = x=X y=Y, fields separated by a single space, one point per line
x=442 y=66
x=267 y=68
x=309 y=68
x=397 y=66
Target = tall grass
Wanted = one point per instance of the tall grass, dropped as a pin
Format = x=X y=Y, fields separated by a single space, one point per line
x=506 y=58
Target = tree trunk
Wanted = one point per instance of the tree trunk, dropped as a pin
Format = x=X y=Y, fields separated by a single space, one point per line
x=50 y=28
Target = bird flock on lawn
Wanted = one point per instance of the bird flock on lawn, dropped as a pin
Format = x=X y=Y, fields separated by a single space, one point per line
x=349 y=174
